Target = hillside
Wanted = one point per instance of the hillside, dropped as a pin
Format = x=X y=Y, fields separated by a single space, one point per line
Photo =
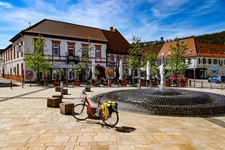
x=214 y=38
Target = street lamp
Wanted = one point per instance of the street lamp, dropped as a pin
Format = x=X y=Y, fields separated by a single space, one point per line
x=194 y=68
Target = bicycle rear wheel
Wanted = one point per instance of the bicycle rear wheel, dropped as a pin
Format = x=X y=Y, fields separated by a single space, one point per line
x=111 y=120
x=80 y=111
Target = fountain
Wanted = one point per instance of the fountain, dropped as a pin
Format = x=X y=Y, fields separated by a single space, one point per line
x=167 y=101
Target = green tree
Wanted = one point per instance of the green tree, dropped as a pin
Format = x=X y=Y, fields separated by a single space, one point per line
x=176 y=62
x=86 y=59
x=39 y=59
x=152 y=58
x=134 y=55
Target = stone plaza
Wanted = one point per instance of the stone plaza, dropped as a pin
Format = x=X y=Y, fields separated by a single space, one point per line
x=26 y=123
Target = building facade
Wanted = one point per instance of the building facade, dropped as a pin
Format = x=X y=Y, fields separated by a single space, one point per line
x=205 y=59
x=65 y=43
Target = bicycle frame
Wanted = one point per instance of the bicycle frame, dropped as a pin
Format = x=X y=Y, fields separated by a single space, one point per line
x=89 y=106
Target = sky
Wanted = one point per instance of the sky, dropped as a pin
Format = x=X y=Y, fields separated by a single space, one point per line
x=147 y=19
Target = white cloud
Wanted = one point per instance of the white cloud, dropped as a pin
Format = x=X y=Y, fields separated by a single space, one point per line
x=5 y=4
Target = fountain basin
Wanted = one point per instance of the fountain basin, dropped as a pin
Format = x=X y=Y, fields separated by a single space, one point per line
x=168 y=102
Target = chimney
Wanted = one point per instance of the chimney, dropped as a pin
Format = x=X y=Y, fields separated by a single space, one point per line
x=112 y=29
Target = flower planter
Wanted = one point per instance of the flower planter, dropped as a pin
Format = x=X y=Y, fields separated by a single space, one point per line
x=143 y=82
x=154 y=83
x=56 y=83
x=182 y=84
x=109 y=82
x=168 y=83
x=77 y=82
x=123 y=83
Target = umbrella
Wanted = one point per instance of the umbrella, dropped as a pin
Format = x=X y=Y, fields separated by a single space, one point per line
x=93 y=69
x=121 y=70
x=148 y=71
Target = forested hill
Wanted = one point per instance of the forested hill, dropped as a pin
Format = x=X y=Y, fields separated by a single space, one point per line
x=214 y=38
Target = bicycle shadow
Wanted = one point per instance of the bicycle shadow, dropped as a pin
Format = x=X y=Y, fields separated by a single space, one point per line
x=125 y=129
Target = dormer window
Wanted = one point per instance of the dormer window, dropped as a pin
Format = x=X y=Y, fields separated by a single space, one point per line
x=163 y=54
x=199 y=45
x=169 y=53
x=209 y=51
x=189 y=51
x=219 y=52
x=200 y=51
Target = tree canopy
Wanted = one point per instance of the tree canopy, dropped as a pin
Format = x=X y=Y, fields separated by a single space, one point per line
x=38 y=60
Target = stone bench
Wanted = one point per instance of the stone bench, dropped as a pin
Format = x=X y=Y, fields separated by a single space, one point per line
x=53 y=102
x=57 y=89
x=65 y=91
x=58 y=96
x=66 y=108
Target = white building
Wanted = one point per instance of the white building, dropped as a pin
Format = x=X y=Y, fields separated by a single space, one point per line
x=64 y=42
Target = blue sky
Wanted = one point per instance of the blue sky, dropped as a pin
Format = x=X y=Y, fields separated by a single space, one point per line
x=147 y=19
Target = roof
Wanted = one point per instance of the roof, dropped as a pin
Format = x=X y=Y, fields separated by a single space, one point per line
x=63 y=29
x=164 y=53
x=195 y=48
x=210 y=50
x=152 y=49
x=117 y=43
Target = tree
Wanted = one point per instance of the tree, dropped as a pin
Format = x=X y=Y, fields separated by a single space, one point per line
x=86 y=58
x=39 y=59
x=176 y=62
x=152 y=58
x=134 y=55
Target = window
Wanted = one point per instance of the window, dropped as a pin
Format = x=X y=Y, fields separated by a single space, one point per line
x=71 y=50
x=214 y=61
x=84 y=51
x=199 y=61
x=97 y=53
x=189 y=60
x=117 y=58
x=55 y=49
x=204 y=61
x=209 y=61
x=111 y=57
x=189 y=51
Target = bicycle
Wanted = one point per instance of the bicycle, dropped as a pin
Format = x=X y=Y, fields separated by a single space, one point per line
x=107 y=112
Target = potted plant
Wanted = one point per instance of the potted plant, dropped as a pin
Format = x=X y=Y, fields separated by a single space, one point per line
x=168 y=81
x=109 y=73
x=96 y=73
x=124 y=82
x=78 y=72
x=56 y=77
x=154 y=82
x=182 y=81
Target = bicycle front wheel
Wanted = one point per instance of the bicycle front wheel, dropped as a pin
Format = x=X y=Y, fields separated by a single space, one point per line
x=80 y=111
x=111 y=120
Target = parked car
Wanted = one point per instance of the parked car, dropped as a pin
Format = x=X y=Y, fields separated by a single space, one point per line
x=177 y=77
x=216 y=79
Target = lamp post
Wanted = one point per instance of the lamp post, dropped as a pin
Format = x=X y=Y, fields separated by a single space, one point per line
x=194 y=68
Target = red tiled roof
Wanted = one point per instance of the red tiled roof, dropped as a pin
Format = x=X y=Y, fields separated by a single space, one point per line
x=117 y=43
x=63 y=29
x=210 y=50
x=198 y=49
x=152 y=49
x=164 y=53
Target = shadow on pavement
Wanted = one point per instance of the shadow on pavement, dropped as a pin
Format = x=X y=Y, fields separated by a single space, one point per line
x=7 y=85
x=125 y=129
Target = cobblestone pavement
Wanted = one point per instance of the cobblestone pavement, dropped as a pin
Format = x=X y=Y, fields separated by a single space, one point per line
x=26 y=123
